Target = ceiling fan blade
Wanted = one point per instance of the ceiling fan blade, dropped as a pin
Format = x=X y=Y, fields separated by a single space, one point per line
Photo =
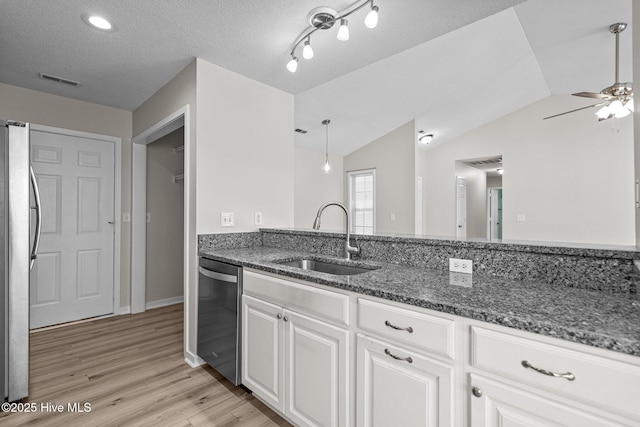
x=573 y=111
x=591 y=95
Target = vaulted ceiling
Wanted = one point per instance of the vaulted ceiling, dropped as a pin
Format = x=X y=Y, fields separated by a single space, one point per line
x=452 y=65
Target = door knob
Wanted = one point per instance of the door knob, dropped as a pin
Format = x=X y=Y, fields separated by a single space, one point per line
x=476 y=392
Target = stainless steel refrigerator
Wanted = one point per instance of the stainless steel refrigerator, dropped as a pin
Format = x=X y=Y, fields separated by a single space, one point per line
x=18 y=252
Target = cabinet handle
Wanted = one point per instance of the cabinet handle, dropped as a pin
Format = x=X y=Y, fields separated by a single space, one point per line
x=391 y=325
x=476 y=392
x=286 y=319
x=279 y=316
x=406 y=359
x=568 y=375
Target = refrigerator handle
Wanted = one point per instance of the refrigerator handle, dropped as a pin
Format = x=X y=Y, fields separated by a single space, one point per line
x=38 y=209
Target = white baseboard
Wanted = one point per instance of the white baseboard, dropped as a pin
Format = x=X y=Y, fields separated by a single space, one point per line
x=193 y=360
x=124 y=310
x=164 y=302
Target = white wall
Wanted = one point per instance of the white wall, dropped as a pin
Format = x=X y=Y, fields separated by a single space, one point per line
x=393 y=158
x=180 y=91
x=572 y=177
x=494 y=181
x=245 y=160
x=313 y=187
x=52 y=110
x=165 y=231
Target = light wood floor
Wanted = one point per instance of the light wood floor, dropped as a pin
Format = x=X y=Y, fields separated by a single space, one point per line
x=131 y=370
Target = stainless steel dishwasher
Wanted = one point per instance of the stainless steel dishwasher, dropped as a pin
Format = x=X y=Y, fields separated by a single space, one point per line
x=219 y=329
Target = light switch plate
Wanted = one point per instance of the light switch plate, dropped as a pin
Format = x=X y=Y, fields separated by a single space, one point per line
x=257 y=218
x=521 y=217
x=226 y=219
x=461 y=265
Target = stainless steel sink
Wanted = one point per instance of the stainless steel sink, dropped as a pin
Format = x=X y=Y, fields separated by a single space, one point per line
x=326 y=267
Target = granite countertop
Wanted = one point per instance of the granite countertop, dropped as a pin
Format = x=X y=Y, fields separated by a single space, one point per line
x=599 y=319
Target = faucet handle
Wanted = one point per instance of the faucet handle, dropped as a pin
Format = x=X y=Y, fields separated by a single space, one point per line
x=358 y=250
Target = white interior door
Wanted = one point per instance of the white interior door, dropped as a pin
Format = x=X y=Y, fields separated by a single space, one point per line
x=461 y=207
x=73 y=275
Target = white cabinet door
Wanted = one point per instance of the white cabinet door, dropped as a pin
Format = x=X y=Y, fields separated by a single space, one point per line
x=263 y=350
x=316 y=372
x=500 y=405
x=397 y=387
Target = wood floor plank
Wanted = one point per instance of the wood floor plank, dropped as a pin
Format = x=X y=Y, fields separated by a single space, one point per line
x=131 y=370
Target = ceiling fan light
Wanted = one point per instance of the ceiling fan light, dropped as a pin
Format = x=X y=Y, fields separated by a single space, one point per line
x=604 y=112
x=292 y=65
x=617 y=109
x=629 y=105
x=371 y=20
x=307 y=50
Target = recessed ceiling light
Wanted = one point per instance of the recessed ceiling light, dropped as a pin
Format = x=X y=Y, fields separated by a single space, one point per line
x=97 y=21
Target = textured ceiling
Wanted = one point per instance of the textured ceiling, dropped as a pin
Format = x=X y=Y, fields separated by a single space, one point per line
x=452 y=65
x=155 y=39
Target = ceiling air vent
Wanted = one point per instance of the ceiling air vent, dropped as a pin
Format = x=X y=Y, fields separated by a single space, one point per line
x=485 y=161
x=302 y=131
x=59 y=80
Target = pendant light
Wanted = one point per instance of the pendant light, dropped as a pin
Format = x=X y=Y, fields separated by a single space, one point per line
x=371 y=20
x=326 y=168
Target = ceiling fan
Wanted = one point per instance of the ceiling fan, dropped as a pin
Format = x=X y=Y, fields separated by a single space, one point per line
x=617 y=99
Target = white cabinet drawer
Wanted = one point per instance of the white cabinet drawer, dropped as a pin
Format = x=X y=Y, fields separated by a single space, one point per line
x=318 y=303
x=610 y=384
x=418 y=330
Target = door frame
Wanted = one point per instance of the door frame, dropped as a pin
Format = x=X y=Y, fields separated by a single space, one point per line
x=117 y=194
x=489 y=200
x=174 y=121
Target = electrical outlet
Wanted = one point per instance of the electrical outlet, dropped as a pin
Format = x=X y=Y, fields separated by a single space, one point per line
x=257 y=218
x=126 y=217
x=521 y=217
x=461 y=279
x=461 y=265
x=226 y=219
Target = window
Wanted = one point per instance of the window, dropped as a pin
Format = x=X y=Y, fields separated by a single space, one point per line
x=362 y=191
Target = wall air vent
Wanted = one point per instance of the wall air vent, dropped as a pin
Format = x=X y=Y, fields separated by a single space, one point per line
x=302 y=131
x=59 y=80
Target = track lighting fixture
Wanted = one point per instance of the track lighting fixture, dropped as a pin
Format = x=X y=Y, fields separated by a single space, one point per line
x=307 y=50
x=343 y=31
x=293 y=64
x=323 y=18
x=371 y=20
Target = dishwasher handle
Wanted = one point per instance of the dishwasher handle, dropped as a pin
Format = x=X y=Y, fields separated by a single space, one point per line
x=218 y=276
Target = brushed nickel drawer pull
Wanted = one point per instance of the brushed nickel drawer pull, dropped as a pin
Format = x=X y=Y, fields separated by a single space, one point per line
x=568 y=375
x=406 y=359
x=391 y=325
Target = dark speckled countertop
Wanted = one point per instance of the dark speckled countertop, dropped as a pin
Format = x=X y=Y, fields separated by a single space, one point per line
x=606 y=320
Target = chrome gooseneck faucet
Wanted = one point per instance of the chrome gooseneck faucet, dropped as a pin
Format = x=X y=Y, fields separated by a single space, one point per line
x=348 y=249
